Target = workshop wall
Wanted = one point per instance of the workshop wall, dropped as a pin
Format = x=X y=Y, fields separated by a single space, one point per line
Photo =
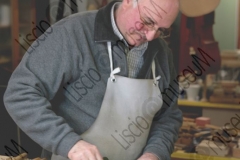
x=226 y=21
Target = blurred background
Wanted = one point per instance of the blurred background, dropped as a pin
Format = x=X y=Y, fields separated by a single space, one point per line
x=210 y=101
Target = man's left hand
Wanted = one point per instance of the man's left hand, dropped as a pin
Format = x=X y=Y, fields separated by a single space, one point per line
x=148 y=156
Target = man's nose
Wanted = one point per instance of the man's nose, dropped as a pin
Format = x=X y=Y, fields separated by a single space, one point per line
x=151 y=34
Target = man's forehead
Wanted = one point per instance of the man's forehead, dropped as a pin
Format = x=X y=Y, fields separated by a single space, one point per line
x=164 y=4
x=153 y=9
x=158 y=10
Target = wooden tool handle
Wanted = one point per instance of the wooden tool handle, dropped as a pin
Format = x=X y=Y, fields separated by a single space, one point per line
x=22 y=156
x=188 y=119
x=212 y=126
x=199 y=134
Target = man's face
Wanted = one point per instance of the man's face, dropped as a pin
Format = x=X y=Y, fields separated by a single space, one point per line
x=145 y=20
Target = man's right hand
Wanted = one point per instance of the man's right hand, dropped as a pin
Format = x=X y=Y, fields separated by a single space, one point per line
x=84 y=151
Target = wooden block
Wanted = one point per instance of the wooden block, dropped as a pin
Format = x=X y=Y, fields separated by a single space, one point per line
x=236 y=152
x=22 y=156
x=217 y=149
x=202 y=121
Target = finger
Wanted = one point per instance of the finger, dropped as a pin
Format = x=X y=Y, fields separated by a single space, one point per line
x=98 y=155
x=89 y=156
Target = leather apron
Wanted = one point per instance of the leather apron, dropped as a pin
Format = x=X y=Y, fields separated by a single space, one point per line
x=121 y=129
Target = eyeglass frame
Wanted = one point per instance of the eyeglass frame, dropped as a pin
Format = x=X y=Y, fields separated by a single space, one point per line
x=164 y=32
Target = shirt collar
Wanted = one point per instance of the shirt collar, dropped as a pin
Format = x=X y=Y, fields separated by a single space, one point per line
x=115 y=28
x=103 y=30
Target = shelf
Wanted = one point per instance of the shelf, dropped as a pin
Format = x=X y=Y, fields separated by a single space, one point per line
x=5 y=27
x=194 y=156
x=3 y=86
x=208 y=104
x=4 y=60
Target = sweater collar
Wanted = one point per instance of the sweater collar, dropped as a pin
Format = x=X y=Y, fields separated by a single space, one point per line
x=103 y=30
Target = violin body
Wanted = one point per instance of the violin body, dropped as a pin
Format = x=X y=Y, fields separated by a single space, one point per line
x=197 y=33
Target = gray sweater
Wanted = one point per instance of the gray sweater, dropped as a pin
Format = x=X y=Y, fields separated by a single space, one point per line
x=56 y=91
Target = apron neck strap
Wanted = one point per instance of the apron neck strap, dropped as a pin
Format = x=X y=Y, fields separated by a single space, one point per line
x=116 y=70
x=110 y=54
x=155 y=79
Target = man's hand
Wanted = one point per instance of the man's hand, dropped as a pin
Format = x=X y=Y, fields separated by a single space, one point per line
x=83 y=150
x=148 y=156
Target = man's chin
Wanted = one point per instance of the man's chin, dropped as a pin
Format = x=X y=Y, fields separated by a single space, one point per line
x=134 y=44
x=138 y=44
x=131 y=43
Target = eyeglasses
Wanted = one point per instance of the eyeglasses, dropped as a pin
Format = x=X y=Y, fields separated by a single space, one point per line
x=164 y=32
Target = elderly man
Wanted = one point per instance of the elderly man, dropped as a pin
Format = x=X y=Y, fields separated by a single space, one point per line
x=95 y=87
